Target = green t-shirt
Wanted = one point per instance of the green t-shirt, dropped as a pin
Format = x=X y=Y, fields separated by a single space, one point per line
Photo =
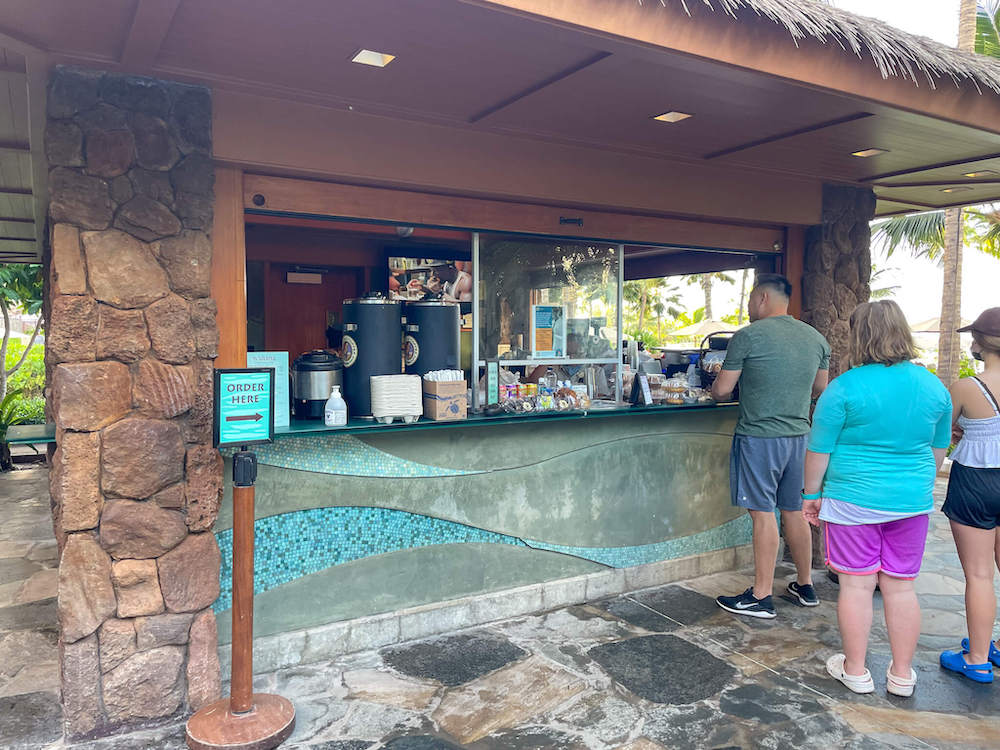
x=779 y=358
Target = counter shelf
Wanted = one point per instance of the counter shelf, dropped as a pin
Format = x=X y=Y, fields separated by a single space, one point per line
x=304 y=428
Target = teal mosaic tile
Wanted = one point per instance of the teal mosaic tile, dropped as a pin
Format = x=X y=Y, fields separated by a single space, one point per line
x=292 y=545
x=730 y=534
x=342 y=454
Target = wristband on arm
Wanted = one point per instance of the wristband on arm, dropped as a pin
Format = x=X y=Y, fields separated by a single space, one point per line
x=812 y=495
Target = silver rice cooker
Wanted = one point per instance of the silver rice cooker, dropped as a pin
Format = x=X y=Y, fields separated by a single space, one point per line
x=313 y=376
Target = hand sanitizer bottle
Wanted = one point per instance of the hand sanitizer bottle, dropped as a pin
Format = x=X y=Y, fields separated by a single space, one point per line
x=335 y=414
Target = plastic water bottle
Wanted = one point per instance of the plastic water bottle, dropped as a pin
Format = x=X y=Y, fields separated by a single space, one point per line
x=693 y=375
x=335 y=413
x=551 y=380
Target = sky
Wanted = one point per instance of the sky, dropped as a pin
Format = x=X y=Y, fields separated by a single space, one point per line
x=919 y=281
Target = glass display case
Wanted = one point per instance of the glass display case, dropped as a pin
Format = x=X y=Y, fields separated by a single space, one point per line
x=548 y=302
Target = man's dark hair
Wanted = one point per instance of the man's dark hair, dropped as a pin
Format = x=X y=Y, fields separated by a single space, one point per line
x=774 y=282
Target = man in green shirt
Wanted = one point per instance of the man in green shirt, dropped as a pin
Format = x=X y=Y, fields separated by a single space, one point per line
x=781 y=365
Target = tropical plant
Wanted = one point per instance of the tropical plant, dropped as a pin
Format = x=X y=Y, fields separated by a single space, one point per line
x=9 y=416
x=883 y=292
x=941 y=234
x=706 y=281
x=647 y=297
x=20 y=287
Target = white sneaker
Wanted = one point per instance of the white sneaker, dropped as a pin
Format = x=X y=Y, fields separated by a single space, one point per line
x=900 y=685
x=855 y=683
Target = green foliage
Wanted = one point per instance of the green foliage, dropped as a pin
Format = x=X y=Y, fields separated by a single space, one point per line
x=30 y=377
x=10 y=413
x=21 y=286
x=966 y=366
x=32 y=410
x=988 y=28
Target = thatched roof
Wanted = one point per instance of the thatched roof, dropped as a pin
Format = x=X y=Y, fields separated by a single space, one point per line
x=895 y=53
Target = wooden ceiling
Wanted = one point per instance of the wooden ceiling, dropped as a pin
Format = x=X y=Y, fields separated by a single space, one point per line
x=18 y=241
x=470 y=66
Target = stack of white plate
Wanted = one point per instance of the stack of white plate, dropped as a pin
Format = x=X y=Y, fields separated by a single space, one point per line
x=396 y=396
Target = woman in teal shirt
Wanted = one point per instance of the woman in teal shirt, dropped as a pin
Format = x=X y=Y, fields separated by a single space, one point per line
x=879 y=434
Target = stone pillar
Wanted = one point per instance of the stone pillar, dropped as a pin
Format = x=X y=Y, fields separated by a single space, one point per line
x=135 y=482
x=838 y=266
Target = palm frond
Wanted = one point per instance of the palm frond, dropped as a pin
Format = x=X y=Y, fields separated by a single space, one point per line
x=923 y=233
x=988 y=28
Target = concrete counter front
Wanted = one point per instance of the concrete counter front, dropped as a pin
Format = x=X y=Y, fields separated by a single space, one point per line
x=355 y=525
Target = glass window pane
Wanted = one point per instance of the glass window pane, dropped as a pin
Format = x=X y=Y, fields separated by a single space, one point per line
x=547 y=299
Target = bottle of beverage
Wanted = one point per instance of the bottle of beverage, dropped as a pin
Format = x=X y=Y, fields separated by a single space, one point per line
x=335 y=413
x=551 y=380
x=693 y=375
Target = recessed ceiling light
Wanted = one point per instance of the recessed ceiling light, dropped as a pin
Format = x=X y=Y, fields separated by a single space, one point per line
x=956 y=189
x=981 y=173
x=865 y=153
x=375 y=59
x=672 y=116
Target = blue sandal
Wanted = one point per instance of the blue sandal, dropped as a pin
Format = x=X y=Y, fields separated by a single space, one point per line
x=994 y=651
x=955 y=662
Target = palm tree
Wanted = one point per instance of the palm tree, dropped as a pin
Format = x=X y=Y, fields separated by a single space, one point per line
x=651 y=295
x=706 y=281
x=941 y=233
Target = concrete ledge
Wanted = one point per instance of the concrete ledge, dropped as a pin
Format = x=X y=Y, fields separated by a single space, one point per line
x=367 y=633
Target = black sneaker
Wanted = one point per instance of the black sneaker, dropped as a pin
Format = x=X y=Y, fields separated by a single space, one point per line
x=805 y=594
x=747 y=604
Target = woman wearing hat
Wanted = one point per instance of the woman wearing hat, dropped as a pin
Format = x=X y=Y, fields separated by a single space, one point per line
x=973 y=501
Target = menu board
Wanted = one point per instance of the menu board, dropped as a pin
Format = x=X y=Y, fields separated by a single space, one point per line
x=548 y=331
x=278 y=361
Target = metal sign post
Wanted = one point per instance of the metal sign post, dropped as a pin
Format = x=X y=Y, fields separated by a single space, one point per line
x=244 y=416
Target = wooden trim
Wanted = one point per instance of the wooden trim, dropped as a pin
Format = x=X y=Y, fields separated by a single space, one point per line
x=229 y=287
x=789 y=134
x=937 y=183
x=928 y=167
x=312 y=198
x=795 y=267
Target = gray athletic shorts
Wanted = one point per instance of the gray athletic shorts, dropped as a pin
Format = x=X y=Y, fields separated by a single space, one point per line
x=767 y=473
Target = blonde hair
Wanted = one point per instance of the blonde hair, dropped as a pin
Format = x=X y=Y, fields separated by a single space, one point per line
x=987 y=343
x=879 y=335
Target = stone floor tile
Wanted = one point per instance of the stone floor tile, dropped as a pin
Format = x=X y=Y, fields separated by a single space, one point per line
x=505 y=699
x=29 y=720
x=602 y=716
x=664 y=668
x=9 y=549
x=42 y=676
x=42 y=585
x=640 y=615
x=17 y=569
x=938 y=583
x=371 y=721
x=382 y=687
x=682 y=604
x=420 y=742
x=34 y=615
x=643 y=743
x=455 y=659
x=333 y=745
x=927 y=726
x=314 y=716
x=46 y=553
x=531 y=738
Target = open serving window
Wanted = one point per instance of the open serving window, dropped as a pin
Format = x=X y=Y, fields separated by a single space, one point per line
x=548 y=302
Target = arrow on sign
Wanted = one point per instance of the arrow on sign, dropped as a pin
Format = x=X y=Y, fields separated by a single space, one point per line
x=245 y=418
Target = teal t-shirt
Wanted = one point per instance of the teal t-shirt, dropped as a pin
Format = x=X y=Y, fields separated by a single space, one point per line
x=779 y=358
x=879 y=425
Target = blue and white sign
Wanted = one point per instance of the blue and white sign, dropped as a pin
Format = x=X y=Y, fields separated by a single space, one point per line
x=279 y=361
x=244 y=406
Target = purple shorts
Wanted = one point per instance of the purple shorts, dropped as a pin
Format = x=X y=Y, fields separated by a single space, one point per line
x=895 y=548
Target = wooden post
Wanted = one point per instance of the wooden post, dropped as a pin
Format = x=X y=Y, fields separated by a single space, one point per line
x=246 y=720
x=242 y=670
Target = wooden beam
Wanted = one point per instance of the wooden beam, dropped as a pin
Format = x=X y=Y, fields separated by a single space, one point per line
x=15 y=191
x=38 y=80
x=316 y=199
x=936 y=183
x=560 y=76
x=229 y=266
x=757 y=44
x=929 y=167
x=789 y=134
x=16 y=220
x=17 y=239
x=149 y=28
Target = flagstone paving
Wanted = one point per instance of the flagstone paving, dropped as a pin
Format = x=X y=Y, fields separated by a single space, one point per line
x=661 y=668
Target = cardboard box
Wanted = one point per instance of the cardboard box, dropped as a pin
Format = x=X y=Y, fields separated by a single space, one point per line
x=445 y=401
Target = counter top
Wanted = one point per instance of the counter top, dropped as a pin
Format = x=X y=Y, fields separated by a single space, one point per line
x=306 y=427
x=46 y=433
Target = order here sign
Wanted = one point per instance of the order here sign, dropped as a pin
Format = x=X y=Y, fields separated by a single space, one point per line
x=244 y=406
